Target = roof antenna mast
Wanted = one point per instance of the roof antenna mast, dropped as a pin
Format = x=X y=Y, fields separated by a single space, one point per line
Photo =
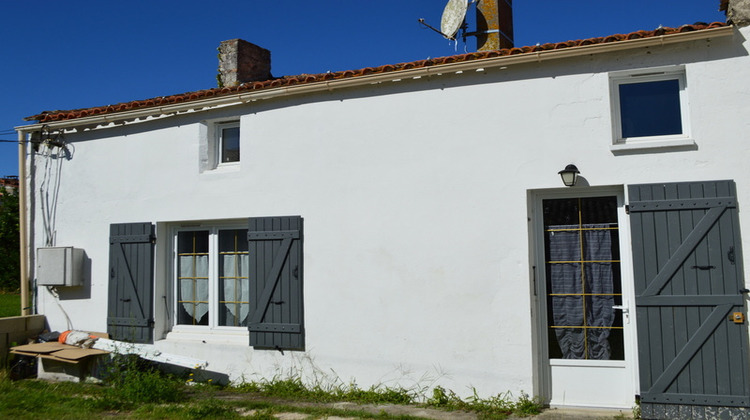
x=494 y=23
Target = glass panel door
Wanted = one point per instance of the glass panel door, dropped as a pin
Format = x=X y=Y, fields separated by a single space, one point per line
x=582 y=262
x=586 y=334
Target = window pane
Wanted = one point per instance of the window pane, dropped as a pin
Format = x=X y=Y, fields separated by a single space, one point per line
x=650 y=108
x=234 y=284
x=192 y=278
x=230 y=144
x=583 y=278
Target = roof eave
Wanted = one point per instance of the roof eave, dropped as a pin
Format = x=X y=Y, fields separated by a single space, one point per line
x=199 y=105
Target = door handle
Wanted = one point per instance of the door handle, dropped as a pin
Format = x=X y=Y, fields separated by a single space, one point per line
x=625 y=312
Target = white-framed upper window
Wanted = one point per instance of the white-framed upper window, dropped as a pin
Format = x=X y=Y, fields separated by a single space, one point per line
x=650 y=108
x=211 y=283
x=227 y=142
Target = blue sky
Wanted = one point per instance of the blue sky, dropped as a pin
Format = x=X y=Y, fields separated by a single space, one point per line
x=77 y=54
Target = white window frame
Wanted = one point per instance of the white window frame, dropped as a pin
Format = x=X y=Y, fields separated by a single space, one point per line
x=219 y=141
x=642 y=76
x=213 y=267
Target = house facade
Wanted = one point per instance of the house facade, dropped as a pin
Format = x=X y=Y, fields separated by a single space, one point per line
x=406 y=225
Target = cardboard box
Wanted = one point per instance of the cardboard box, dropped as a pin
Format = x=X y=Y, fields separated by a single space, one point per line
x=62 y=362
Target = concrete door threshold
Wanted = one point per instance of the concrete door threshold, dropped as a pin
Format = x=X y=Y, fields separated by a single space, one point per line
x=564 y=413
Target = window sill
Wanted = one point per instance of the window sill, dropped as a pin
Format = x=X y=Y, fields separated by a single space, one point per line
x=652 y=144
x=224 y=168
x=201 y=335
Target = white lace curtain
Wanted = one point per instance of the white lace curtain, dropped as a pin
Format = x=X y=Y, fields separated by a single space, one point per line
x=194 y=285
x=236 y=287
x=234 y=284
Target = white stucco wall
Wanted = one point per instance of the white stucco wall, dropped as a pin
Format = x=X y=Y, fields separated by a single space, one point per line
x=415 y=201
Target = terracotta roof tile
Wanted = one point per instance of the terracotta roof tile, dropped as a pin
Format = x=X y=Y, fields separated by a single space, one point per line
x=48 y=116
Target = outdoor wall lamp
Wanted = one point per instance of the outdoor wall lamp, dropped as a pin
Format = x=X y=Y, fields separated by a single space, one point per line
x=569 y=175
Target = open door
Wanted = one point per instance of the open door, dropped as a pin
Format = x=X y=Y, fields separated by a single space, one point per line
x=692 y=335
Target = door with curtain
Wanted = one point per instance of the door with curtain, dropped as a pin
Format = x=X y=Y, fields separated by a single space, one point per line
x=586 y=317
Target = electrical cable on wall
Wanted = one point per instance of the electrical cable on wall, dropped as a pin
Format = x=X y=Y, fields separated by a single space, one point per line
x=52 y=291
x=55 y=150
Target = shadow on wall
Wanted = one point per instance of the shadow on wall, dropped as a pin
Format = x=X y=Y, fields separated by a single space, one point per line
x=79 y=292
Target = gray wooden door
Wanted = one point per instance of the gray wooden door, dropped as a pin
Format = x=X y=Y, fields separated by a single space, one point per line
x=689 y=286
x=131 y=282
x=276 y=287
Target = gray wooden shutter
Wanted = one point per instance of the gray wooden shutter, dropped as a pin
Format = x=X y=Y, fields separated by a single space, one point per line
x=131 y=282
x=276 y=304
x=688 y=283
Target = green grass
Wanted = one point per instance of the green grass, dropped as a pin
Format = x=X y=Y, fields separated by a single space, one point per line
x=10 y=304
x=133 y=388
x=35 y=399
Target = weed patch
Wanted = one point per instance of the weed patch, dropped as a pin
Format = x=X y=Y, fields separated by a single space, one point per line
x=294 y=388
x=496 y=407
x=131 y=380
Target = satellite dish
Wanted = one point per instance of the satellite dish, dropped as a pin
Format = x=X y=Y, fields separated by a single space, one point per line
x=453 y=17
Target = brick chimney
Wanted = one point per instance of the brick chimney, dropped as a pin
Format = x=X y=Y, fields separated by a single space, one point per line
x=241 y=61
x=495 y=24
x=738 y=11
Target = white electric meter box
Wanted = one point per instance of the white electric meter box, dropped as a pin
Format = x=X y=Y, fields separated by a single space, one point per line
x=59 y=266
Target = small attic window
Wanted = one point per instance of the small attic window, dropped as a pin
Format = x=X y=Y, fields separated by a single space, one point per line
x=649 y=108
x=228 y=142
x=218 y=145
